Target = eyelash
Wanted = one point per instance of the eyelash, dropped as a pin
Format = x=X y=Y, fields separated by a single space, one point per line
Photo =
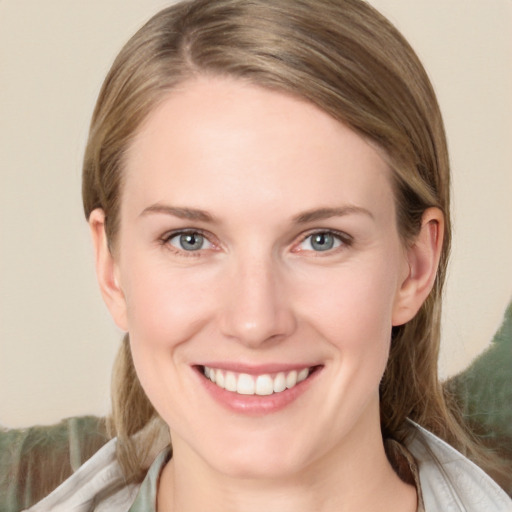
x=166 y=239
x=344 y=239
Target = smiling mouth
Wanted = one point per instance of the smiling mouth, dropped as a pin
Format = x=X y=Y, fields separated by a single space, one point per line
x=262 y=385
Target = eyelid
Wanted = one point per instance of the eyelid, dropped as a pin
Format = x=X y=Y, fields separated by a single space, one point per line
x=168 y=235
x=345 y=238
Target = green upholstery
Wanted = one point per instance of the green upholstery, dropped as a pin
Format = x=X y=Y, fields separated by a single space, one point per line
x=485 y=387
x=35 y=460
x=484 y=393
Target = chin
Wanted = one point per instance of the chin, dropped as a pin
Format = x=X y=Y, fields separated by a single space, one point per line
x=261 y=459
x=263 y=467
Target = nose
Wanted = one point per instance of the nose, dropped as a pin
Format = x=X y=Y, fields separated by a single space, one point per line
x=256 y=310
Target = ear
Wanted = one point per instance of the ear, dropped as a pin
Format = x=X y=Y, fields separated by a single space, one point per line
x=107 y=270
x=423 y=259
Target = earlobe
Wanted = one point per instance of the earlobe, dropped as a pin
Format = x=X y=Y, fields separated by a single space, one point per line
x=107 y=270
x=423 y=259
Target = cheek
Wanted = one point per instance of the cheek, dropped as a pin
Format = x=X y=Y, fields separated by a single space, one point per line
x=165 y=310
x=354 y=304
x=349 y=311
x=352 y=311
x=165 y=307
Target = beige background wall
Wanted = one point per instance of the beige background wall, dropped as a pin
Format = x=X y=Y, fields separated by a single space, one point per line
x=56 y=340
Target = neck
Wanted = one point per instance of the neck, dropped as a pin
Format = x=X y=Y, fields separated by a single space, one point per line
x=343 y=480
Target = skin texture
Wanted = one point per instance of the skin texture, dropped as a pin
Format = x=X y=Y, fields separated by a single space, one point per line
x=258 y=293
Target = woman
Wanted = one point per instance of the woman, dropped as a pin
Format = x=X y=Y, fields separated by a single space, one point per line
x=267 y=187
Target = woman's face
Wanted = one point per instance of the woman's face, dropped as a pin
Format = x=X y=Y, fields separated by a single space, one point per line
x=257 y=245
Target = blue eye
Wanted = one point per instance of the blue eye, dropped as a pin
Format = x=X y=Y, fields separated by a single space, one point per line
x=321 y=242
x=191 y=241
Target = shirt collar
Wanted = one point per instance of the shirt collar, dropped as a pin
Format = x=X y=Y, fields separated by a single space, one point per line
x=146 y=497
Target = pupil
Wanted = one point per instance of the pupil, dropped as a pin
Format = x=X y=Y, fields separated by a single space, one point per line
x=191 y=241
x=322 y=242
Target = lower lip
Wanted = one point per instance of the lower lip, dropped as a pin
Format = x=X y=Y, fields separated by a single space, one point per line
x=256 y=405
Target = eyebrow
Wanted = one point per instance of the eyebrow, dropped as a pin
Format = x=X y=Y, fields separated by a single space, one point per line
x=301 y=218
x=327 y=213
x=182 y=213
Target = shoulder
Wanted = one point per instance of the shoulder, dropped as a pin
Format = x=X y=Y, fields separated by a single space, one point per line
x=98 y=483
x=450 y=482
x=35 y=460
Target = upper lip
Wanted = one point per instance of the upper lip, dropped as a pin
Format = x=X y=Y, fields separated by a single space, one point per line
x=258 y=369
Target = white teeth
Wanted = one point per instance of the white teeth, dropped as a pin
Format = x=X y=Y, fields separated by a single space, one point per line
x=291 y=379
x=230 y=381
x=219 y=379
x=302 y=375
x=245 y=384
x=264 y=385
x=279 y=382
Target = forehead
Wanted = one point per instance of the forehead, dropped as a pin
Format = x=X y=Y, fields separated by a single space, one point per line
x=215 y=137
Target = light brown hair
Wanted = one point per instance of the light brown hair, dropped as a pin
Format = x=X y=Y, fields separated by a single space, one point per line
x=348 y=60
